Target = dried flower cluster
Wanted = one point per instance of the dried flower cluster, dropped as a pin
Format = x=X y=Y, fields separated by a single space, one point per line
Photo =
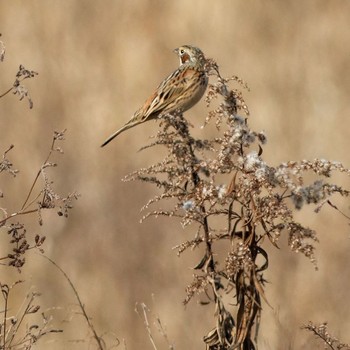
x=224 y=186
x=17 y=88
x=46 y=198
x=19 y=331
x=329 y=341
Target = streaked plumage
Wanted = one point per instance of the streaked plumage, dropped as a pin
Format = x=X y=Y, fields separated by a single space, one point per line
x=179 y=91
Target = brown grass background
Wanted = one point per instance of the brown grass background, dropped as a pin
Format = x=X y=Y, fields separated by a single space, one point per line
x=97 y=62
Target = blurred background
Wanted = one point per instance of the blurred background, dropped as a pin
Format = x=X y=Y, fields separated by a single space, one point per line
x=97 y=62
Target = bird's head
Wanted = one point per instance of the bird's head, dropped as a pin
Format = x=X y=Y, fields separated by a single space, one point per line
x=190 y=54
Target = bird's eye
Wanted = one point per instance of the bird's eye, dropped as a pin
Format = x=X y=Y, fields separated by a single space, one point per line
x=182 y=51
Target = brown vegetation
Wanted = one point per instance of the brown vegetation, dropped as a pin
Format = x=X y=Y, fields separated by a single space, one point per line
x=294 y=57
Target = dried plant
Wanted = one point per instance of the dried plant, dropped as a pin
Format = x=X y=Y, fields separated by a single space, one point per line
x=44 y=198
x=142 y=310
x=17 y=88
x=99 y=341
x=321 y=332
x=20 y=330
x=224 y=187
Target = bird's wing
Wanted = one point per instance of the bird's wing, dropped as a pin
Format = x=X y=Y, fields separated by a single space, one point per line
x=169 y=91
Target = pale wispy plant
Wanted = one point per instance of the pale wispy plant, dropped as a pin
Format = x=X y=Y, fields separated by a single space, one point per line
x=21 y=329
x=321 y=333
x=40 y=196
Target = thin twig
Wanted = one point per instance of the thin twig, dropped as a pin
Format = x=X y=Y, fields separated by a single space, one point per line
x=98 y=339
x=39 y=172
x=145 y=320
x=5 y=93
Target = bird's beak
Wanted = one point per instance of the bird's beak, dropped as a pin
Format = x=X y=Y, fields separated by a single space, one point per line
x=176 y=51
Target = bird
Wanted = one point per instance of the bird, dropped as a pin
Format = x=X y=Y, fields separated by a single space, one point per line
x=180 y=91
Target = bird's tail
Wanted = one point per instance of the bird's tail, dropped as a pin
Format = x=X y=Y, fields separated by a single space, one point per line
x=110 y=138
x=135 y=120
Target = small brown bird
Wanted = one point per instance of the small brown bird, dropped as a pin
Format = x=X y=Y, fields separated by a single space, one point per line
x=180 y=91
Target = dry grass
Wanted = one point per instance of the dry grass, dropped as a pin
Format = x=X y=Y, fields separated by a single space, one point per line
x=294 y=57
